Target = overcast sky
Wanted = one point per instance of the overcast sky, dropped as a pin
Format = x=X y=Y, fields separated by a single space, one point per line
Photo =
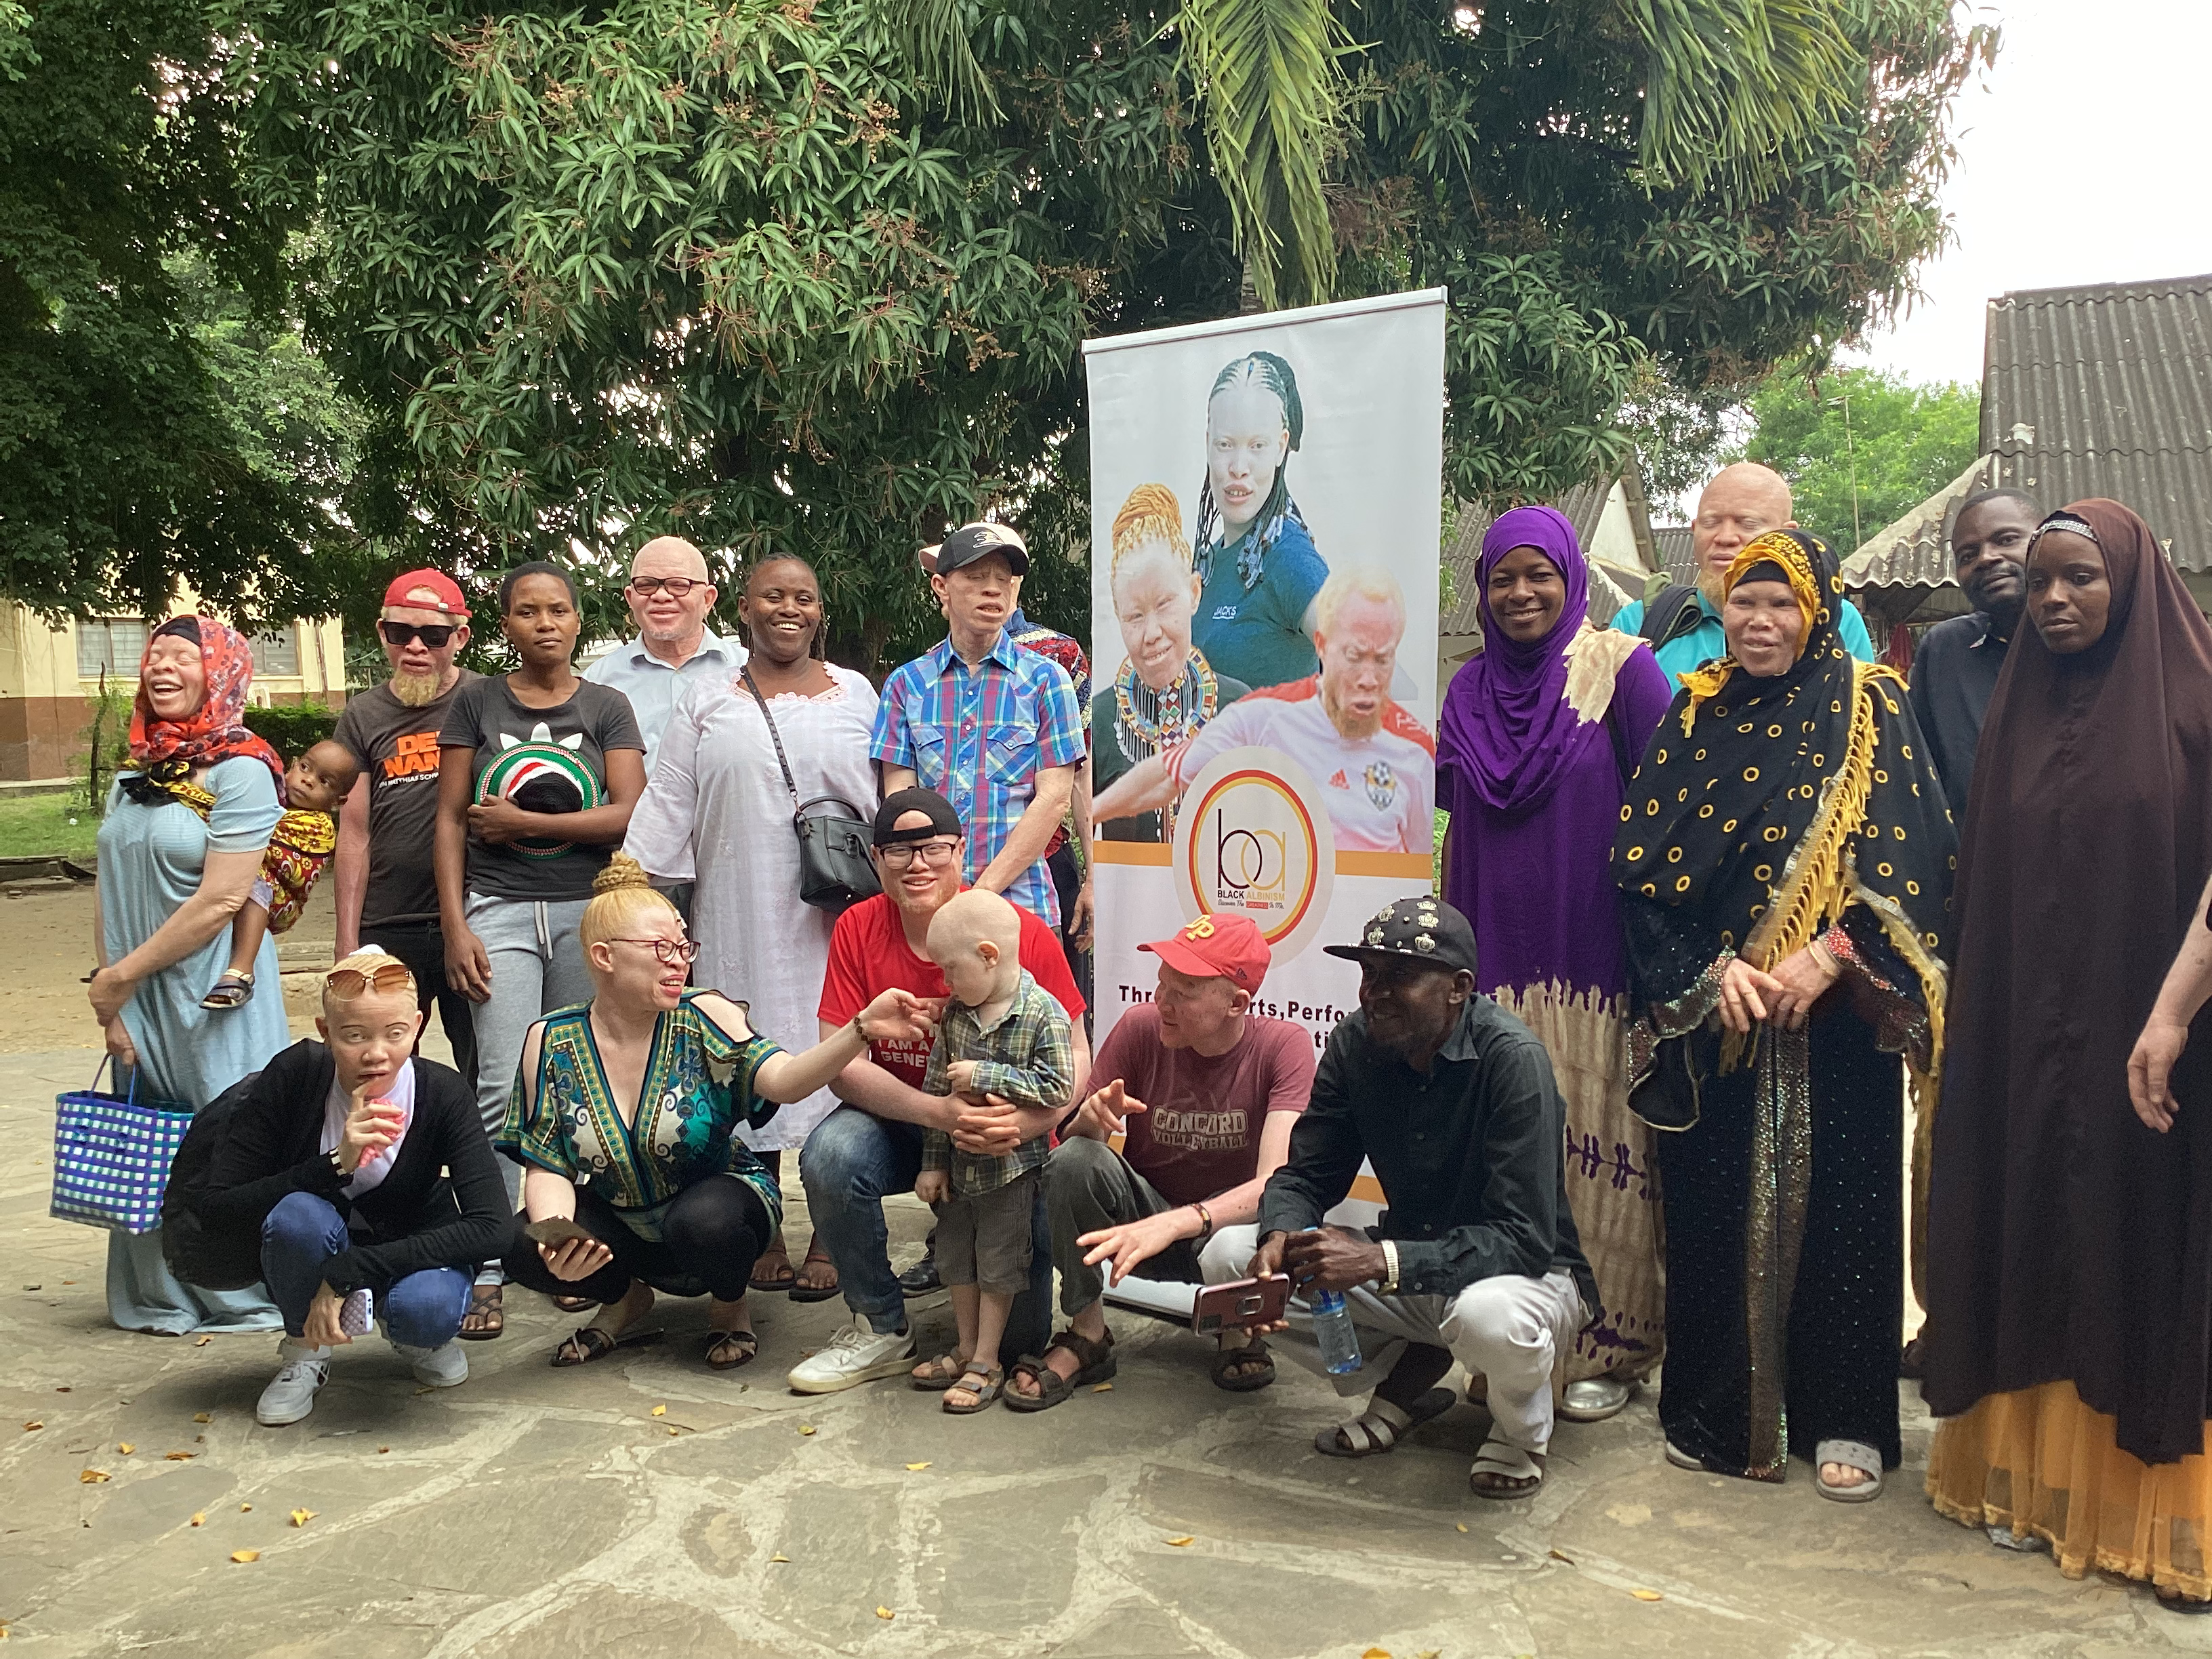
x=2081 y=160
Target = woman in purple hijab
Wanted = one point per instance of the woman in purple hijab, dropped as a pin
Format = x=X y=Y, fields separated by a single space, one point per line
x=1539 y=735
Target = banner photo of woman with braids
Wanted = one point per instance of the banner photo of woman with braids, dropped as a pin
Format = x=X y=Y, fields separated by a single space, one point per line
x=1266 y=508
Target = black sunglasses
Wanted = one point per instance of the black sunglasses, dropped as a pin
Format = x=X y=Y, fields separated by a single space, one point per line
x=436 y=635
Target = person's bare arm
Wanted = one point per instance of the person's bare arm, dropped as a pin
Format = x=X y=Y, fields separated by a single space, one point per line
x=350 y=873
x=876 y=1092
x=1129 y=1245
x=1033 y=831
x=467 y=966
x=897 y=778
x=1078 y=829
x=1144 y=787
x=225 y=881
x=2166 y=1033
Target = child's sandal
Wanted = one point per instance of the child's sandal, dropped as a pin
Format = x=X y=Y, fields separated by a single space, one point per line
x=234 y=990
x=993 y=1385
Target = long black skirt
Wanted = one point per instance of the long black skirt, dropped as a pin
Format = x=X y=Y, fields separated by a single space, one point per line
x=1838 y=1344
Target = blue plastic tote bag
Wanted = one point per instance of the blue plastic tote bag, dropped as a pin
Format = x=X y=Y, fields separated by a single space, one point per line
x=111 y=1156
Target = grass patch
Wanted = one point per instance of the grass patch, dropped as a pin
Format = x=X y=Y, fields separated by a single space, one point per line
x=39 y=826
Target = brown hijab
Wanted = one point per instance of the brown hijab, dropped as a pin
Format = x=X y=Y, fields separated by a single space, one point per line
x=2065 y=1240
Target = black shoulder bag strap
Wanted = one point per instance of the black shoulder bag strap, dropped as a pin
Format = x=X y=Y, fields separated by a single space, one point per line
x=1670 y=616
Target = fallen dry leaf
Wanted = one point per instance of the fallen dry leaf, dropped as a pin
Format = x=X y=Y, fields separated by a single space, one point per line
x=243 y=1508
x=203 y=1417
x=202 y=1341
x=673 y=1433
x=32 y=1424
x=92 y=1477
x=1462 y=1526
x=243 y=1556
x=1101 y=1388
x=178 y=1457
x=199 y=1517
x=1647 y=1595
x=660 y=1411
x=125 y=1446
x=773 y=1559
x=917 y=1467
x=806 y=1428
x=885 y=1612
x=1376 y=1653
x=1430 y=1653
x=301 y=1517
x=382 y=1449
x=61 y=1387
x=1557 y=1555
x=1179 y=1542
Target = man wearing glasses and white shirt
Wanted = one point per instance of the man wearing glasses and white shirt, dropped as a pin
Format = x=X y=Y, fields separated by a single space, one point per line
x=670 y=595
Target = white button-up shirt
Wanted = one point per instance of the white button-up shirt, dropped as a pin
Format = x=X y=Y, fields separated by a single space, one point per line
x=653 y=686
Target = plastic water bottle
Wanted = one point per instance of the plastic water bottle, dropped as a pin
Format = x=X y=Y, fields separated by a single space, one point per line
x=1332 y=1323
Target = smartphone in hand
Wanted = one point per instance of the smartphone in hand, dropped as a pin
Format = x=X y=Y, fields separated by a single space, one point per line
x=1239 y=1302
x=555 y=1231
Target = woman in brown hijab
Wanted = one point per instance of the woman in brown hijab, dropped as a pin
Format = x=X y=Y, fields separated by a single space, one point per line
x=2070 y=1245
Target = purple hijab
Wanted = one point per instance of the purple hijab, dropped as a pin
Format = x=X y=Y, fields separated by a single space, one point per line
x=1507 y=727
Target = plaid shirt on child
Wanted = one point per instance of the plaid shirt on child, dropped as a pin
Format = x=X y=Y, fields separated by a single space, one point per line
x=979 y=737
x=1027 y=1057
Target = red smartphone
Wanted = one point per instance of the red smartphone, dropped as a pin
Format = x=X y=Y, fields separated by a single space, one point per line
x=1241 y=1302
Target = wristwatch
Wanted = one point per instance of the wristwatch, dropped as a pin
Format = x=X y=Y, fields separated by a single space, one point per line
x=337 y=1167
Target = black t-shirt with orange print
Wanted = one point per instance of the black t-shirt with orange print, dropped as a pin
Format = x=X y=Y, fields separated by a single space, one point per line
x=397 y=749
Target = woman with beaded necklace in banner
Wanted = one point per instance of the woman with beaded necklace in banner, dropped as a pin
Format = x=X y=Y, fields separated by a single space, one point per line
x=1166 y=689
x=1258 y=570
x=1784 y=859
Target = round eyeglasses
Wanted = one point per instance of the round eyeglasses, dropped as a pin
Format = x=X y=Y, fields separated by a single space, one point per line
x=672 y=952
x=675 y=587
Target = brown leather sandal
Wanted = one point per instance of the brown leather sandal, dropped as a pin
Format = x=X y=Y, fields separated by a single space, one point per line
x=1095 y=1364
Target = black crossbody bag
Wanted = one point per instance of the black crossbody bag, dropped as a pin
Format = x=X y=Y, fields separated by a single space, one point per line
x=834 y=870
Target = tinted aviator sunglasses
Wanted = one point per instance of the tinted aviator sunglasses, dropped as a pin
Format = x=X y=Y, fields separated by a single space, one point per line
x=352 y=981
x=436 y=635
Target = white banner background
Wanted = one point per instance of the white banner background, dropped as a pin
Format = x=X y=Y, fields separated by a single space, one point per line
x=1368 y=479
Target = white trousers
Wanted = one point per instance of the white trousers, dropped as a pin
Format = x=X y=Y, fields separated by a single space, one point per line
x=1511 y=1330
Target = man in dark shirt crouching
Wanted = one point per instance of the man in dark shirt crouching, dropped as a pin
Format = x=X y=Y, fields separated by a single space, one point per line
x=1453 y=1102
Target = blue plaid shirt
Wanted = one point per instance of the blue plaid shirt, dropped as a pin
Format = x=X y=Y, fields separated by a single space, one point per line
x=979 y=735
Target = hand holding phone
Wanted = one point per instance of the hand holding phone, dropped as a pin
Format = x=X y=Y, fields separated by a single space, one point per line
x=1246 y=1303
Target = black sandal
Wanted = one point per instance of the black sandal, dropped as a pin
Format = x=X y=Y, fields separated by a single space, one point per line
x=748 y=1348
x=487 y=1304
x=234 y=989
x=804 y=1292
x=1226 y=1360
x=1095 y=1364
x=588 y=1342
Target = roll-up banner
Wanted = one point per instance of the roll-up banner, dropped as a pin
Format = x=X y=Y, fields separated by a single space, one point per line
x=1266 y=495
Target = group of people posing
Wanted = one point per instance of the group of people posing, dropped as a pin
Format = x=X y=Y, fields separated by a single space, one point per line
x=1717 y=891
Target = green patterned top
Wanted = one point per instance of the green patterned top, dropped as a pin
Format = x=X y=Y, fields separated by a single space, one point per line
x=698 y=1088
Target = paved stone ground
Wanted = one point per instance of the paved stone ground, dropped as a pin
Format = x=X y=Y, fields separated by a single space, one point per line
x=645 y=1506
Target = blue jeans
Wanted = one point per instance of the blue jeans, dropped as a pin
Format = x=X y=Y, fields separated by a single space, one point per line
x=850 y=1164
x=422 y=1311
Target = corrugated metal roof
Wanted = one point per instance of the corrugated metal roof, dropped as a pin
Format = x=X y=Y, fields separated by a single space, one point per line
x=1676 y=556
x=2107 y=391
x=1914 y=552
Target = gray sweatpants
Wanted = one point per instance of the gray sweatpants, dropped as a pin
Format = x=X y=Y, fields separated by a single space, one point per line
x=536 y=966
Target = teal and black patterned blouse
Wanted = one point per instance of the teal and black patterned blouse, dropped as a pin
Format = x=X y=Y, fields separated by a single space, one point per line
x=698 y=1089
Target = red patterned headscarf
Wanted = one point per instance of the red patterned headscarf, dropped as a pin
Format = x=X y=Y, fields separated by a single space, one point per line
x=215 y=730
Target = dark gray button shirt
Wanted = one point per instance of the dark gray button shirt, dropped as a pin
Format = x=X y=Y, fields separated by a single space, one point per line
x=1953 y=673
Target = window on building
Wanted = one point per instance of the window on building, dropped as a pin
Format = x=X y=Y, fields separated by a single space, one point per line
x=109 y=644
x=276 y=652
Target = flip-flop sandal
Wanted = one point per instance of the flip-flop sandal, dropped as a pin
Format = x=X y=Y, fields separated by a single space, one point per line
x=748 y=1347
x=234 y=990
x=2176 y=1602
x=1852 y=1454
x=995 y=1384
x=776 y=1283
x=815 y=1292
x=936 y=1375
x=575 y=1303
x=1380 y=1426
x=588 y=1342
x=1223 y=1367
x=1094 y=1362
x=484 y=1299
x=1499 y=1462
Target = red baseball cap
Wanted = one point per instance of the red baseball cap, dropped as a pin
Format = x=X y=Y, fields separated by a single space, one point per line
x=427 y=590
x=1217 y=947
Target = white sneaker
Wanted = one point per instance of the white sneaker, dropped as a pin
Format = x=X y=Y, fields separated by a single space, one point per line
x=855 y=1355
x=446 y=1367
x=291 y=1394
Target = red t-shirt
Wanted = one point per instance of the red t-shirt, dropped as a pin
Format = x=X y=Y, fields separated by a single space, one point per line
x=1202 y=1135
x=869 y=956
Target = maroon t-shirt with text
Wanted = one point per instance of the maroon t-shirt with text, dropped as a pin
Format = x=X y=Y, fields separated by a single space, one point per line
x=1201 y=1133
x=869 y=956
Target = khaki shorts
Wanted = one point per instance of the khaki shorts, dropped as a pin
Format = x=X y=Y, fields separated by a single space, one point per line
x=984 y=1241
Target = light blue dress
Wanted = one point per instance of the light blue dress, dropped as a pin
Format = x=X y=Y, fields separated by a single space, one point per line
x=150 y=862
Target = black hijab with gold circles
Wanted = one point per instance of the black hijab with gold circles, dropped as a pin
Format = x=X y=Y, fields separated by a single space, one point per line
x=1792 y=790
